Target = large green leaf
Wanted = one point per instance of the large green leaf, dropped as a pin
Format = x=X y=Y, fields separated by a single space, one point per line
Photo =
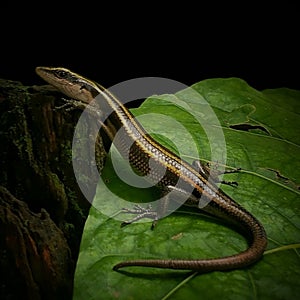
x=262 y=137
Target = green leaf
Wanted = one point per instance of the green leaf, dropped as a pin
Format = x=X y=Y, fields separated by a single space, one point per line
x=261 y=131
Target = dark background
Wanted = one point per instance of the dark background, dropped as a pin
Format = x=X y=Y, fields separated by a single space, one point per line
x=184 y=43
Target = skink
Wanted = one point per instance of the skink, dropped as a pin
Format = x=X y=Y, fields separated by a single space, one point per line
x=142 y=148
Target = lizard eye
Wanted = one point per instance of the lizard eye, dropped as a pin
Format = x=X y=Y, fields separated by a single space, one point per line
x=61 y=74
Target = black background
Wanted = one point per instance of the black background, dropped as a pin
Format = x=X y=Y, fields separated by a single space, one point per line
x=184 y=43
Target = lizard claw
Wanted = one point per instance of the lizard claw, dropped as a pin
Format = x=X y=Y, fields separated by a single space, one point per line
x=141 y=213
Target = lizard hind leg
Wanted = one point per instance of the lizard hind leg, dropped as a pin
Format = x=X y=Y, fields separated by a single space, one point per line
x=213 y=172
x=140 y=213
